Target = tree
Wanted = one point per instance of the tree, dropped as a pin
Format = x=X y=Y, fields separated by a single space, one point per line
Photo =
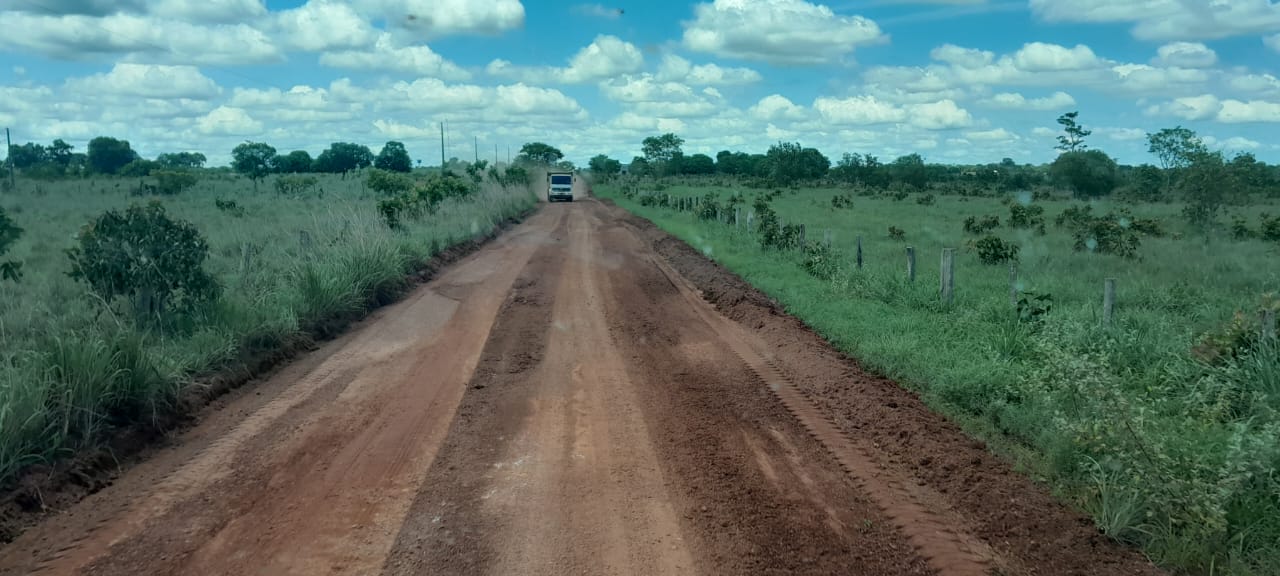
x=26 y=155
x=182 y=160
x=540 y=153
x=1088 y=173
x=60 y=152
x=393 y=157
x=1204 y=187
x=788 y=162
x=296 y=162
x=1250 y=174
x=253 y=159
x=108 y=155
x=343 y=157
x=1145 y=183
x=145 y=257
x=660 y=151
x=1175 y=147
x=138 y=168
x=640 y=167
x=1073 y=139
x=604 y=166
x=698 y=164
x=910 y=170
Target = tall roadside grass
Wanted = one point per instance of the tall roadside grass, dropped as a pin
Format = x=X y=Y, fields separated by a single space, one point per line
x=292 y=267
x=1165 y=450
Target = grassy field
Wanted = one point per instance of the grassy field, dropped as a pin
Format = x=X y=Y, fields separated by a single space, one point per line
x=290 y=267
x=1165 y=450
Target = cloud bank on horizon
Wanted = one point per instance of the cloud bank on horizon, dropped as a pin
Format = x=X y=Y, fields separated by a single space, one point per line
x=955 y=80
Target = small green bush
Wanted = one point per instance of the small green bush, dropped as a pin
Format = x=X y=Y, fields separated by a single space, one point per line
x=821 y=261
x=387 y=182
x=993 y=250
x=171 y=182
x=1106 y=236
x=975 y=226
x=9 y=233
x=294 y=184
x=925 y=200
x=841 y=201
x=229 y=207
x=146 y=257
x=709 y=207
x=1026 y=216
x=1270 y=229
x=1240 y=229
x=896 y=233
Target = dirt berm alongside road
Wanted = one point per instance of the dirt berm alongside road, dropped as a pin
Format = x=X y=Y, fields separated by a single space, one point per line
x=585 y=395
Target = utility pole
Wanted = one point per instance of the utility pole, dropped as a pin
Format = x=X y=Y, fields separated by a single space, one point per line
x=495 y=154
x=508 y=153
x=442 y=164
x=477 y=144
x=8 y=154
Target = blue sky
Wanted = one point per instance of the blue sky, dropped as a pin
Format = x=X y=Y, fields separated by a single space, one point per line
x=955 y=80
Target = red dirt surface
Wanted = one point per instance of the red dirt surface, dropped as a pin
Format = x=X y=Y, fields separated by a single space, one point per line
x=565 y=401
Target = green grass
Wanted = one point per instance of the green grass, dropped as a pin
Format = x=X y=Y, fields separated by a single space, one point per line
x=71 y=365
x=1165 y=451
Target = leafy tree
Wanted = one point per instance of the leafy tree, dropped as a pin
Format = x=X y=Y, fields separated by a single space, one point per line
x=108 y=155
x=1145 y=183
x=698 y=164
x=170 y=182
x=138 y=168
x=910 y=170
x=296 y=162
x=788 y=162
x=253 y=159
x=26 y=155
x=60 y=152
x=1088 y=173
x=145 y=257
x=640 y=166
x=1250 y=174
x=1175 y=147
x=185 y=160
x=343 y=157
x=604 y=166
x=1074 y=134
x=660 y=151
x=393 y=157
x=9 y=233
x=540 y=153
x=1204 y=185
x=388 y=182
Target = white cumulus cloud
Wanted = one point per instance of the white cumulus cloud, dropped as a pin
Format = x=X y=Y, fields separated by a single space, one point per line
x=677 y=69
x=777 y=31
x=1169 y=19
x=446 y=17
x=148 y=81
x=385 y=55
x=606 y=57
x=1015 y=101
x=1186 y=55
x=228 y=121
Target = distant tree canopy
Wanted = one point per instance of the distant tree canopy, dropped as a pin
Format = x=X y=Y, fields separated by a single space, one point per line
x=659 y=151
x=1088 y=173
x=604 y=166
x=698 y=164
x=539 y=153
x=108 y=155
x=393 y=157
x=295 y=162
x=343 y=157
x=910 y=170
x=788 y=162
x=253 y=159
x=1175 y=147
x=181 y=160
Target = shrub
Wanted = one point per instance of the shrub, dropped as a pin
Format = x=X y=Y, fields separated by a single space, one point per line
x=424 y=199
x=993 y=250
x=842 y=201
x=144 y=256
x=1240 y=229
x=821 y=261
x=1024 y=216
x=9 y=233
x=896 y=233
x=1106 y=236
x=171 y=182
x=1270 y=229
x=1074 y=216
x=294 y=184
x=925 y=200
x=229 y=207
x=138 y=168
x=709 y=208
x=1089 y=173
x=900 y=195
x=388 y=182
x=1032 y=307
x=975 y=226
x=767 y=225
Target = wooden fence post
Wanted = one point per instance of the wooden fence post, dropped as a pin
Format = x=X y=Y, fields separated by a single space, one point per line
x=1267 y=320
x=1013 y=284
x=751 y=217
x=948 y=275
x=1108 y=300
x=859 y=252
x=802 y=236
x=911 y=264
x=826 y=237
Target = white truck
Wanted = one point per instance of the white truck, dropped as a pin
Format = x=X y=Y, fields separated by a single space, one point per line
x=560 y=185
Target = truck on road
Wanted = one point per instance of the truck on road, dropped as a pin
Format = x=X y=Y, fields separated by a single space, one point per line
x=560 y=185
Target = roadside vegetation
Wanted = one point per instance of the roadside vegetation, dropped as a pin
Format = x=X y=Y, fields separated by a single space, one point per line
x=1163 y=425
x=125 y=281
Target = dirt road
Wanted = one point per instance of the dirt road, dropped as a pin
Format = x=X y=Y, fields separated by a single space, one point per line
x=584 y=395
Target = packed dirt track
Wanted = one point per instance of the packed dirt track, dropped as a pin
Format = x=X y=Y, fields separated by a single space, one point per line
x=583 y=395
